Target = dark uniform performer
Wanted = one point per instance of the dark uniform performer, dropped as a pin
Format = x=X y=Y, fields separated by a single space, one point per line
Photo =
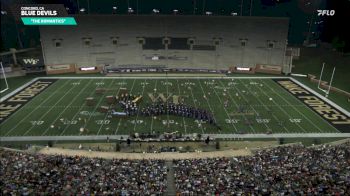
x=161 y=108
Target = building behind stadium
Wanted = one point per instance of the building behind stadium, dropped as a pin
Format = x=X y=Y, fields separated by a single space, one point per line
x=203 y=42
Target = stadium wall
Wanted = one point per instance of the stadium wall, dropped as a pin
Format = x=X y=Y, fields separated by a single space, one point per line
x=126 y=30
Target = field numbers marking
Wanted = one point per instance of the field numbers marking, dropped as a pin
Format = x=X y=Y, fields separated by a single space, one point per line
x=37 y=122
x=295 y=120
x=262 y=120
x=231 y=121
x=102 y=122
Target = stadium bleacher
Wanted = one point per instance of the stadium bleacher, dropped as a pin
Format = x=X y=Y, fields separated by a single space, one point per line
x=285 y=170
x=36 y=174
x=178 y=43
x=292 y=170
x=153 y=43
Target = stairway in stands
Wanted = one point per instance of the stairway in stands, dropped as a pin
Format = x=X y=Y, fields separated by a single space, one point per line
x=171 y=189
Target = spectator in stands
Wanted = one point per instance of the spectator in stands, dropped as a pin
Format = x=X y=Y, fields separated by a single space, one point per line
x=36 y=174
x=281 y=171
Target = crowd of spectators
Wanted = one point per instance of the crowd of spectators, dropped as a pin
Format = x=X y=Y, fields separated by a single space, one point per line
x=286 y=170
x=295 y=170
x=37 y=174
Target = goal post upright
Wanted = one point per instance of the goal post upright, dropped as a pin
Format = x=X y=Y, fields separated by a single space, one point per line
x=330 y=83
x=3 y=73
x=319 y=81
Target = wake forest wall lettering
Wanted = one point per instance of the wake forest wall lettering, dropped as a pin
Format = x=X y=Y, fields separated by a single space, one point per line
x=335 y=117
x=15 y=102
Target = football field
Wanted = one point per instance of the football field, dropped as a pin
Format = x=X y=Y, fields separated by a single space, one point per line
x=238 y=105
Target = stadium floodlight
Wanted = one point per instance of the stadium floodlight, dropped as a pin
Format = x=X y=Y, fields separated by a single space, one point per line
x=156 y=11
x=130 y=10
x=5 y=79
x=3 y=12
x=234 y=14
x=115 y=8
x=175 y=11
x=82 y=10
x=208 y=13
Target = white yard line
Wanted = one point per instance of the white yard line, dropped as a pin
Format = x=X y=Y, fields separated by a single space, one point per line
x=183 y=118
x=80 y=107
x=232 y=99
x=137 y=116
x=60 y=114
x=95 y=108
x=227 y=114
x=167 y=95
x=301 y=112
x=155 y=86
x=120 y=120
x=273 y=115
x=49 y=110
x=195 y=105
x=98 y=132
x=283 y=110
x=47 y=99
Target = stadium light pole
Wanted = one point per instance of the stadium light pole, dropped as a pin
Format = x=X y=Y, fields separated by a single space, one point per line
x=88 y=6
x=78 y=4
x=251 y=7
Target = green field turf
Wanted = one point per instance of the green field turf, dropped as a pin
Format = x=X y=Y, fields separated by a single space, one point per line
x=63 y=103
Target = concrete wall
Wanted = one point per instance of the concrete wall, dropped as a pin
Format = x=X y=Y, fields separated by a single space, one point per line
x=204 y=28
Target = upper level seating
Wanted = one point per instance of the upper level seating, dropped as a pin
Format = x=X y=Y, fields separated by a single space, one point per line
x=178 y=43
x=203 y=47
x=153 y=43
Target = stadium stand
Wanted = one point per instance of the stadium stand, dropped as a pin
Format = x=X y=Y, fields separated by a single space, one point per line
x=285 y=170
x=203 y=47
x=178 y=43
x=36 y=174
x=153 y=43
x=294 y=170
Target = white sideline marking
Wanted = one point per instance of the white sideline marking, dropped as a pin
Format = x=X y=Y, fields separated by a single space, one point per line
x=218 y=136
x=321 y=97
x=42 y=116
x=170 y=77
x=18 y=123
x=62 y=112
x=286 y=101
x=18 y=89
x=256 y=97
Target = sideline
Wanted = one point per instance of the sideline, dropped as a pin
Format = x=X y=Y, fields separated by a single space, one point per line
x=214 y=136
x=18 y=89
x=162 y=156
